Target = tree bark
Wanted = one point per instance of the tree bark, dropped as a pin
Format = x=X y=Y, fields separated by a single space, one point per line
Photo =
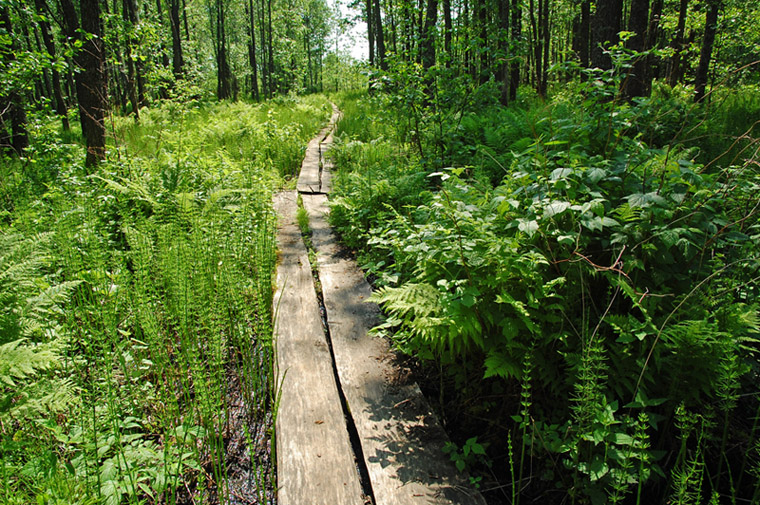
x=178 y=61
x=705 y=54
x=484 y=71
x=252 y=52
x=447 y=29
x=428 y=39
x=544 y=24
x=654 y=63
x=604 y=31
x=91 y=82
x=13 y=133
x=638 y=82
x=535 y=44
x=379 y=38
x=371 y=32
x=223 y=88
x=584 y=37
x=675 y=74
x=129 y=12
x=514 y=77
x=263 y=44
x=270 y=72
x=47 y=39
x=502 y=74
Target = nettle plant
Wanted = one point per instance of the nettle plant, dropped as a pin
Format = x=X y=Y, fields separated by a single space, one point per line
x=624 y=272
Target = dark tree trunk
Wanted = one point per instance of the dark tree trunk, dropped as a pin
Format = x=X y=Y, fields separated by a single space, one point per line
x=178 y=61
x=546 y=39
x=47 y=39
x=535 y=43
x=263 y=44
x=584 y=36
x=447 y=27
x=252 y=51
x=484 y=52
x=705 y=54
x=379 y=38
x=604 y=31
x=160 y=12
x=223 y=87
x=371 y=32
x=91 y=79
x=467 y=57
x=653 y=40
x=675 y=74
x=129 y=11
x=514 y=77
x=638 y=82
x=271 y=47
x=428 y=39
x=502 y=73
x=13 y=134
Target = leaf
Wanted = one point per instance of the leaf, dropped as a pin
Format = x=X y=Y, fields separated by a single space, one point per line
x=529 y=227
x=498 y=364
x=560 y=173
x=555 y=208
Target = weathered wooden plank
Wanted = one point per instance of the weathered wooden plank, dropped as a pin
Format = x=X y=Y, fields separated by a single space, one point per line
x=401 y=439
x=327 y=165
x=308 y=179
x=315 y=462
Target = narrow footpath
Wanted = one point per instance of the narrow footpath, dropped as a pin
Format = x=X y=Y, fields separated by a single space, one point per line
x=351 y=428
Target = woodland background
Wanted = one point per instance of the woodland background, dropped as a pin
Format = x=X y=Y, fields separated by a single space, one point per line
x=556 y=202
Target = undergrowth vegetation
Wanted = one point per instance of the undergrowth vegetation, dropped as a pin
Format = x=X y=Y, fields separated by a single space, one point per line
x=135 y=307
x=577 y=277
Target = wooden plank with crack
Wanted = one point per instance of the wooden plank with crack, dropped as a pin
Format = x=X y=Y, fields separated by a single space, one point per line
x=315 y=461
x=402 y=441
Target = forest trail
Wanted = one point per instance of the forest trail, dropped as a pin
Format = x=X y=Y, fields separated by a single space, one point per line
x=352 y=427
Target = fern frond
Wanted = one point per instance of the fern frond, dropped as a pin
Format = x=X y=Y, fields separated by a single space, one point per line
x=19 y=361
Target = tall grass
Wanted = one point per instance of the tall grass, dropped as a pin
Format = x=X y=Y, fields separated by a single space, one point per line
x=135 y=329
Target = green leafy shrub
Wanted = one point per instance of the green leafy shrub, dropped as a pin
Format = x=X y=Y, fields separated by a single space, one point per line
x=623 y=272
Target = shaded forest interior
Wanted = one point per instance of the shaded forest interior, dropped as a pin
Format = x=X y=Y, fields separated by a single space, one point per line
x=556 y=201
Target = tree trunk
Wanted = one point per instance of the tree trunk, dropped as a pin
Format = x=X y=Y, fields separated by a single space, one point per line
x=13 y=134
x=160 y=12
x=91 y=79
x=271 y=47
x=705 y=54
x=638 y=82
x=263 y=44
x=544 y=24
x=447 y=29
x=535 y=44
x=223 y=87
x=514 y=77
x=604 y=31
x=654 y=63
x=484 y=52
x=47 y=39
x=379 y=38
x=252 y=52
x=428 y=39
x=371 y=32
x=129 y=12
x=584 y=37
x=502 y=73
x=178 y=62
x=674 y=76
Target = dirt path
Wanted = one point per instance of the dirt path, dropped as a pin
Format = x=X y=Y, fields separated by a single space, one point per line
x=350 y=428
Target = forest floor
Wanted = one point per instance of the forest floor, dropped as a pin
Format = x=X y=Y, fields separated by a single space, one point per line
x=351 y=426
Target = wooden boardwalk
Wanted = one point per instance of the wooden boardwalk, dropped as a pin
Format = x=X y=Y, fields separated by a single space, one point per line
x=398 y=441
